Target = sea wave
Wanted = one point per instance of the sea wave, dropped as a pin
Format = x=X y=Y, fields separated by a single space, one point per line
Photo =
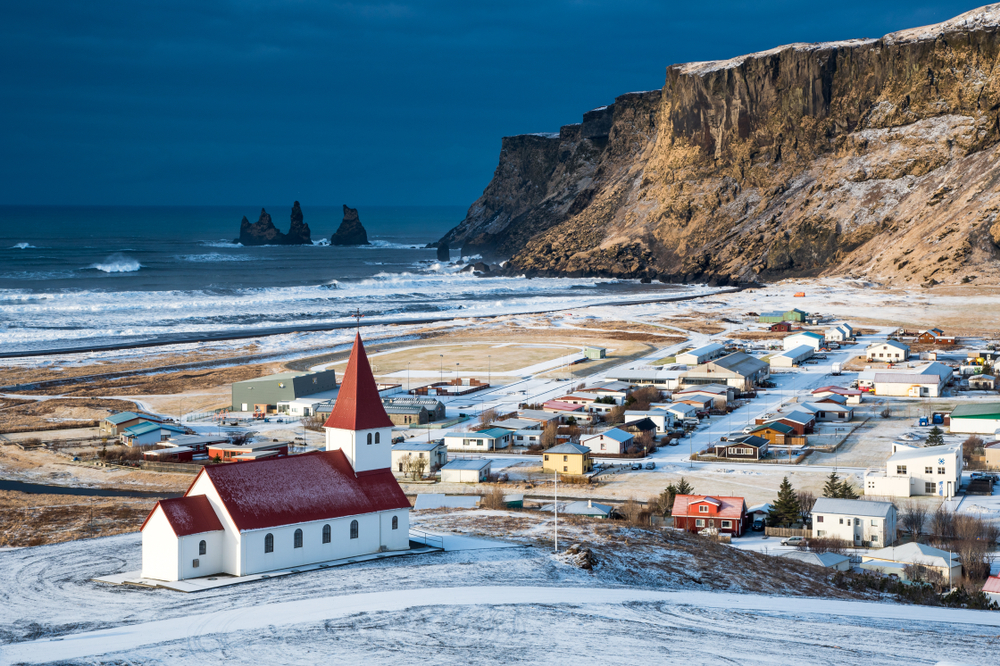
x=376 y=244
x=117 y=263
x=214 y=257
x=23 y=246
x=221 y=243
x=321 y=242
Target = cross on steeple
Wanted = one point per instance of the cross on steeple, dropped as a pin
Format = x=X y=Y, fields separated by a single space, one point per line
x=357 y=316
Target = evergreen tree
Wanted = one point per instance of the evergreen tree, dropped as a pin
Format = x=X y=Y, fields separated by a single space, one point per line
x=832 y=487
x=846 y=491
x=934 y=437
x=785 y=510
x=684 y=488
x=666 y=500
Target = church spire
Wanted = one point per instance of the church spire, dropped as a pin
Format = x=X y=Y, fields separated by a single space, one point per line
x=359 y=405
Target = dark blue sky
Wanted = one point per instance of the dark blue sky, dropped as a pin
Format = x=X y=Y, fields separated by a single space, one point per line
x=206 y=102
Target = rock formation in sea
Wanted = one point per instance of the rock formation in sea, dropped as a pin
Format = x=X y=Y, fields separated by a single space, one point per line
x=443 y=251
x=263 y=231
x=350 y=231
x=870 y=158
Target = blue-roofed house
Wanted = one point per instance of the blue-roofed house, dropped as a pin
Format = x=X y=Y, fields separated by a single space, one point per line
x=404 y=453
x=610 y=442
x=146 y=433
x=489 y=439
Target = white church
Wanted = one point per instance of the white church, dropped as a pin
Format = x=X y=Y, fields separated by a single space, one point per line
x=251 y=517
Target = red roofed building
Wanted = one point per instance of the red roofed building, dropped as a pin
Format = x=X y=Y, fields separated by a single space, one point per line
x=695 y=513
x=992 y=588
x=290 y=511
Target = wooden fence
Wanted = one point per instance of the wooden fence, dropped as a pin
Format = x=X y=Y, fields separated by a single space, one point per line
x=786 y=532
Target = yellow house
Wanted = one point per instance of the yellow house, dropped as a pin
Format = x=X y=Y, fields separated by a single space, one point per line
x=568 y=459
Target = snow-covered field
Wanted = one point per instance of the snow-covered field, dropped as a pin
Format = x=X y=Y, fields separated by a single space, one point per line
x=510 y=605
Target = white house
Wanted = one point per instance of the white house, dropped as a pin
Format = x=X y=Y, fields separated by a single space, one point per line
x=839 y=333
x=466 y=471
x=662 y=418
x=251 y=517
x=610 y=442
x=527 y=437
x=894 y=561
x=405 y=452
x=679 y=410
x=889 y=351
x=858 y=522
x=489 y=439
x=829 y=411
x=298 y=406
x=807 y=338
x=931 y=470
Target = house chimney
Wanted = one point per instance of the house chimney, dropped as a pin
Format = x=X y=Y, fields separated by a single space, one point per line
x=590 y=504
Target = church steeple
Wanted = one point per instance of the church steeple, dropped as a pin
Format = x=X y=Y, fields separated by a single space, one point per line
x=359 y=405
x=358 y=424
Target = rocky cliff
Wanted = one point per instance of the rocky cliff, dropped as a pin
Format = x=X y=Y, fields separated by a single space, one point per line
x=876 y=158
x=263 y=231
x=350 y=231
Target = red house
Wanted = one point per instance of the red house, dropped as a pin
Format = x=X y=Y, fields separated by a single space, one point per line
x=781 y=326
x=695 y=513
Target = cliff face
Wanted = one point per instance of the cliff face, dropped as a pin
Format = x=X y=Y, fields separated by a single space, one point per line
x=874 y=158
x=350 y=231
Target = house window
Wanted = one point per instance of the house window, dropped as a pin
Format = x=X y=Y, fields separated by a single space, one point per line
x=727 y=523
x=819 y=519
x=269 y=543
x=874 y=522
x=377 y=437
x=395 y=522
x=874 y=538
x=565 y=468
x=928 y=470
x=841 y=521
x=202 y=547
x=703 y=509
x=400 y=467
x=699 y=523
x=901 y=469
x=940 y=470
x=565 y=458
x=929 y=487
x=354 y=529
x=195 y=563
x=546 y=457
x=369 y=438
x=327 y=536
x=298 y=539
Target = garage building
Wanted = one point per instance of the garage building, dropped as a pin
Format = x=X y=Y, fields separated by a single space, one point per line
x=979 y=418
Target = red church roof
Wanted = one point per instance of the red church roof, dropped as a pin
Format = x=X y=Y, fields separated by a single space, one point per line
x=298 y=489
x=359 y=405
x=188 y=515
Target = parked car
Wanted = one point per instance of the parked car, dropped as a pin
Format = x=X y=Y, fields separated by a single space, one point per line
x=651 y=465
x=748 y=430
x=759 y=524
x=673 y=442
x=636 y=465
x=793 y=541
x=397 y=440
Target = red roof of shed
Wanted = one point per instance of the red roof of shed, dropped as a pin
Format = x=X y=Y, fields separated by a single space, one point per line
x=188 y=515
x=992 y=585
x=298 y=489
x=359 y=405
x=731 y=507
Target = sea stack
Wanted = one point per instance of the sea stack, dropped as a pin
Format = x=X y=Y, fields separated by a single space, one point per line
x=298 y=233
x=443 y=251
x=263 y=231
x=350 y=231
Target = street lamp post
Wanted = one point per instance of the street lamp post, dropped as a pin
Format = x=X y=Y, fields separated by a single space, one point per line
x=407 y=377
x=489 y=369
x=441 y=356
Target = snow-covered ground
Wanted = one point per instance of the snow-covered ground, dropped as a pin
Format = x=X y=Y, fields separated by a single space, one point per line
x=510 y=605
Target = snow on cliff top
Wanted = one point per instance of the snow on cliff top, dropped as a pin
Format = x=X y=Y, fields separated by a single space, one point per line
x=977 y=19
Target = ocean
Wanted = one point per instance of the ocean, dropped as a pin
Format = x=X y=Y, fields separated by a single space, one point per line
x=79 y=277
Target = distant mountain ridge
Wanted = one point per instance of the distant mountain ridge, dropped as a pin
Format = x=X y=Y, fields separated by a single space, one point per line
x=875 y=158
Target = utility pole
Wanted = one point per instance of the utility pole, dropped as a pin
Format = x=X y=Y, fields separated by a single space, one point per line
x=555 y=508
x=489 y=369
x=407 y=377
x=441 y=357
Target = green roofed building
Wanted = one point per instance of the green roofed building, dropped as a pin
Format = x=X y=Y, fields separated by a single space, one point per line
x=976 y=418
x=267 y=392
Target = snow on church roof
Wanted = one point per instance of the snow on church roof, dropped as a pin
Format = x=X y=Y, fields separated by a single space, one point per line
x=298 y=489
x=188 y=515
x=359 y=404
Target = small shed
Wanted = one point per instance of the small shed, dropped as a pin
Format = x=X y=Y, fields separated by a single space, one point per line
x=595 y=352
x=466 y=471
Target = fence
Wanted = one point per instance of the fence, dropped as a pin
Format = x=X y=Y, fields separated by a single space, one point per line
x=171 y=468
x=786 y=532
x=426 y=538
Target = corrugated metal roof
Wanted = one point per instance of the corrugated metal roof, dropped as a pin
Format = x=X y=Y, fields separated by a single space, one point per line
x=981 y=410
x=849 y=507
x=729 y=507
x=121 y=417
x=188 y=515
x=467 y=464
x=568 y=447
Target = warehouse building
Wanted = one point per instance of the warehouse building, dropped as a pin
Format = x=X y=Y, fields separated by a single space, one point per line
x=702 y=354
x=925 y=381
x=739 y=370
x=264 y=393
x=776 y=317
x=808 y=338
x=791 y=357
x=981 y=418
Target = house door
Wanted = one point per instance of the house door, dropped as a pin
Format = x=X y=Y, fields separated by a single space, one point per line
x=711 y=522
